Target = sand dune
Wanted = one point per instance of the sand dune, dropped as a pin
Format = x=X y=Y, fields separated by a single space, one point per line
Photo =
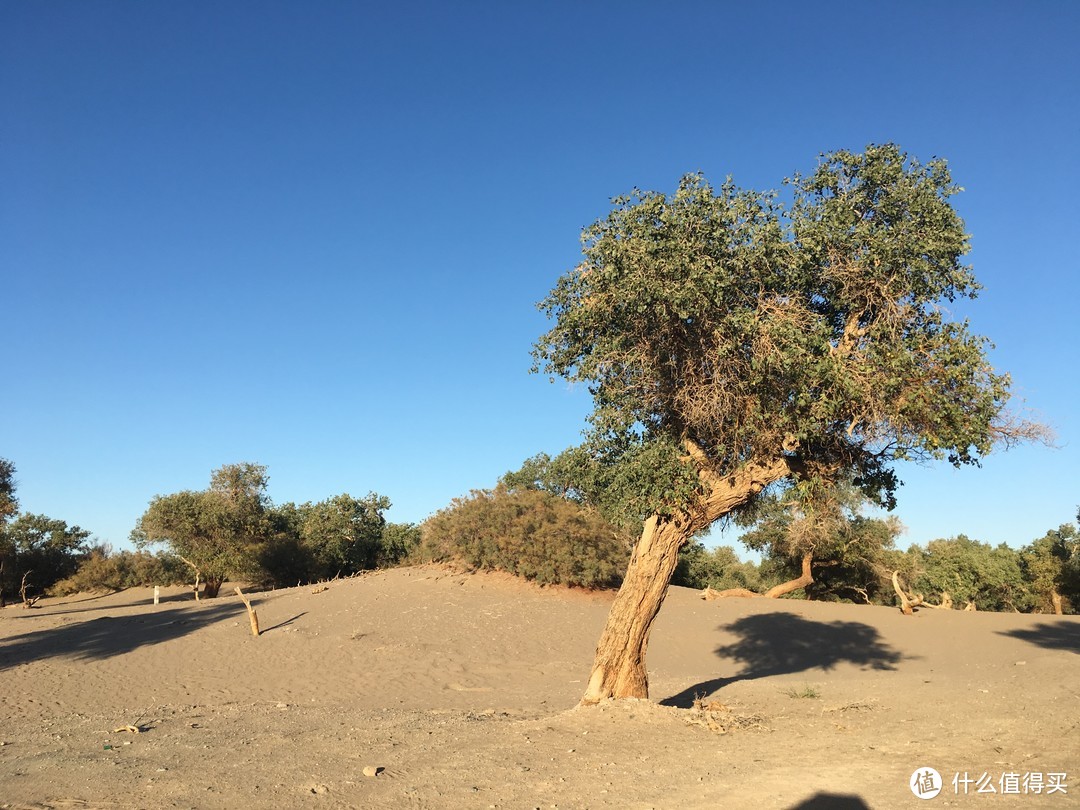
x=461 y=690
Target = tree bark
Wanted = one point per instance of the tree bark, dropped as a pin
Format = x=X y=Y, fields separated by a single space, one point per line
x=907 y=605
x=619 y=667
x=806 y=578
x=27 y=601
x=211 y=586
x=253 y=617
x=198 y=573
x=1055 y=600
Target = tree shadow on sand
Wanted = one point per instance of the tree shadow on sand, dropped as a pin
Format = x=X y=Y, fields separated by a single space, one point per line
x=286 y=623
x=107 y=636
x=785 y=643
x=831 y=801
x=1052 y=635
x=40 y=611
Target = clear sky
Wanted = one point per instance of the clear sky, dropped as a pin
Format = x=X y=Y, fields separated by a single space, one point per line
x=312 y=234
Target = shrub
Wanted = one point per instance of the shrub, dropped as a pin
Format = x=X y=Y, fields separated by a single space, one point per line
x=530 y=533
x=399 y=542
x=296 y=553
x=105 y=570
x=720 y=569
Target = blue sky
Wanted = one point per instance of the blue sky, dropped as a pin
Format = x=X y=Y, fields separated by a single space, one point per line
x=313 y=234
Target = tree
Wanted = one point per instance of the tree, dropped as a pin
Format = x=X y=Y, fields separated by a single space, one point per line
x=35 y=550
x=1051 y=567
x=215 y=531
x=399 y=542
x=45 y=547
x=315 y=541
x=819 y=542
x=8 y=507
x=343 y=534
x=1067 y=549
x=731 y=343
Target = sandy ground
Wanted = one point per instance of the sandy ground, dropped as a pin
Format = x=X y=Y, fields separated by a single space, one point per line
x=461 y=690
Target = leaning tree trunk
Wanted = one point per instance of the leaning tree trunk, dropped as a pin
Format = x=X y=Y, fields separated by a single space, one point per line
x=619 y=667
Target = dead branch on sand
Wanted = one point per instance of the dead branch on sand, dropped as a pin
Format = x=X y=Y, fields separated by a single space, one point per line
x=27 y=601
x=251 y=612
x=908 y=602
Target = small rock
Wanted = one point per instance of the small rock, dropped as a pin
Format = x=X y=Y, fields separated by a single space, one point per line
x=1021 y=663
x=373 y=770
x=319 y=789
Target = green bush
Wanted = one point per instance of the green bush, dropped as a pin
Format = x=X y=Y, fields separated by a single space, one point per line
x=720 y=569
x=530 y=533
x=297 y=553
x=970 y=571
x=399 y=542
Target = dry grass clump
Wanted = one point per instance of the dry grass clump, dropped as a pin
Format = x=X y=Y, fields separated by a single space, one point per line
x=720 y=718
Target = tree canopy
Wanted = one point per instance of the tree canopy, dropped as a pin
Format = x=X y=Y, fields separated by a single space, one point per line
x=8 y=504
x=753 y=332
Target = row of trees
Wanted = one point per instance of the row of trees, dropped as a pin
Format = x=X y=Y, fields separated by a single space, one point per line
x=813 y=544
x=819 y=541
x=232 y=530
x=1041 y=577
x=816 y=542
x=229 y=530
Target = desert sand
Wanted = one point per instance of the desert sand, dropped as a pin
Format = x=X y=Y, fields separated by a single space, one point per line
x=460 y=690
